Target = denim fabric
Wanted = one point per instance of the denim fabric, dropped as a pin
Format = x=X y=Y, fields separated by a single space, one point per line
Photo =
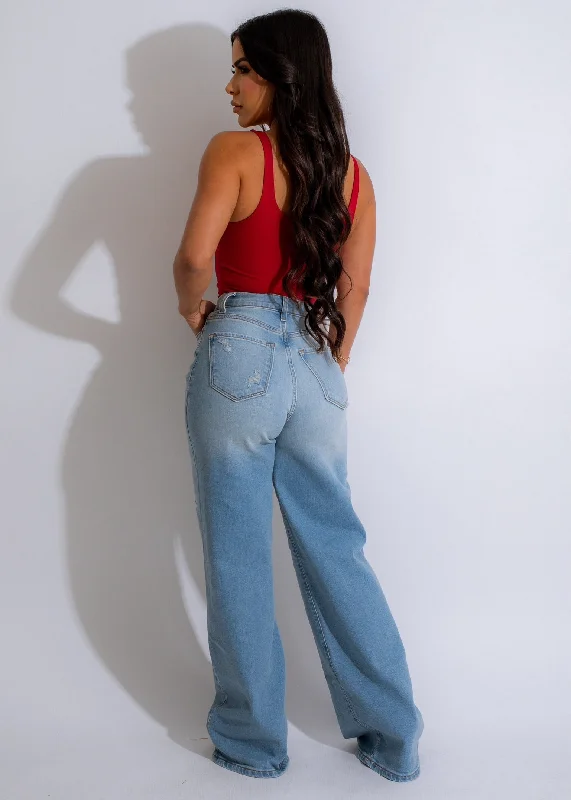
x=264 y=411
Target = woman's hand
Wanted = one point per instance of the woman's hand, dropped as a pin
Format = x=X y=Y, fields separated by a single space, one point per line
x=197 y=319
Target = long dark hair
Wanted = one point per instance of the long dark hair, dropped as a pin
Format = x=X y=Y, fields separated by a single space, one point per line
x=290 y=49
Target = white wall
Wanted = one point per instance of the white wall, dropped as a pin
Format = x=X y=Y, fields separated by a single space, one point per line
x=459 y=422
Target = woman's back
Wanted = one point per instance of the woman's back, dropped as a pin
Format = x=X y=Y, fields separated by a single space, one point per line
x=251 y=167
x=255 y=251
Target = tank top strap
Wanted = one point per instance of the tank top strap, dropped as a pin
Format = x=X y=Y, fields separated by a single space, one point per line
x=268 y=198
x=268 y=190
x=355 y=190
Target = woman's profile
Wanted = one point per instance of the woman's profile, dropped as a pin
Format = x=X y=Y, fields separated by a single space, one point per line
x=289 y=216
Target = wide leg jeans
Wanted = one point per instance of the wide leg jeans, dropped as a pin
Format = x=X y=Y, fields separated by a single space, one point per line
x=266 y=411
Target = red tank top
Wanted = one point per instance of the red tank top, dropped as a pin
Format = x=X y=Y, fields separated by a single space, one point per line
x=254 y=254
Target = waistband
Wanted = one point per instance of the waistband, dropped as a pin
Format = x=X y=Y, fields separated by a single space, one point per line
x=277 y=302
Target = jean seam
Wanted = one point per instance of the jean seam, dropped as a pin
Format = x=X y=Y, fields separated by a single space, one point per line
x=199 y=513
x=294 y=384
x=270 y=346
x=233 y=764
x=342 y=404
x=217 y=682
x=364 y=757
x=195 y=356
x=243 y=318
x=316 y=615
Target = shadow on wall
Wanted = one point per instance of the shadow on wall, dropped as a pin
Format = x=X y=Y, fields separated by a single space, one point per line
x=126 y=475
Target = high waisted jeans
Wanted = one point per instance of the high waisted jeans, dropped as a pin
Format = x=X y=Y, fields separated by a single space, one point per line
x=265 y=411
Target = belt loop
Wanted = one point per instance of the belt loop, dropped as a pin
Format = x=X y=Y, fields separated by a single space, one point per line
x=225 y=297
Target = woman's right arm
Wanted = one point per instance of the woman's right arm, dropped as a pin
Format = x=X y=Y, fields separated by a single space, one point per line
x=357 y=258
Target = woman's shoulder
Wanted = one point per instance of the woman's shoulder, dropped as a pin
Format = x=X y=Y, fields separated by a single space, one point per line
x=225 y=141
x=229 y=149
x=243 y=143
x=240 y=144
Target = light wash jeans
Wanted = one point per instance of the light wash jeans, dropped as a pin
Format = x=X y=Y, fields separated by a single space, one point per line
x=264 y=411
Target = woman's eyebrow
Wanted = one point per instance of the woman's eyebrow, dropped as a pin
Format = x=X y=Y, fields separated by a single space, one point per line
x=242 y=58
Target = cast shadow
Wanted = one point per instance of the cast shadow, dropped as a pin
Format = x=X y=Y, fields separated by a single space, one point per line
x=125 y=465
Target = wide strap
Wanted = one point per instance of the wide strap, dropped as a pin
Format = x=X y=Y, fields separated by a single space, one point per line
x=355 y=190
x=268 y=191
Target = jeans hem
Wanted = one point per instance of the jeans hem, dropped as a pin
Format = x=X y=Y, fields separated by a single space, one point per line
x=242 y=769
x=386 y=773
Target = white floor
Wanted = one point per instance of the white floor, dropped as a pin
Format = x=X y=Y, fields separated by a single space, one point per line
x=122 y=714
x=495 y=694
x=468 y=764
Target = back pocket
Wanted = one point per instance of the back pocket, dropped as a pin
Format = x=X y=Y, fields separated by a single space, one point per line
x=240 y=366
x=328 y=373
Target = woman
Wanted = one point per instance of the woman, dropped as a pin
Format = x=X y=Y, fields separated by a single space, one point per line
x=290 y=218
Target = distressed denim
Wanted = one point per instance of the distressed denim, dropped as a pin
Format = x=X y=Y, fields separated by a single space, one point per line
x=265 y=411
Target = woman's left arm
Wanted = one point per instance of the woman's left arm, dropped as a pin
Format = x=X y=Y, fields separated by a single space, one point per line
x=214 y=203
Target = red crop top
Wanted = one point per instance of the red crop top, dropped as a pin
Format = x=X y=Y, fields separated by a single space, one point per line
x=252 y=255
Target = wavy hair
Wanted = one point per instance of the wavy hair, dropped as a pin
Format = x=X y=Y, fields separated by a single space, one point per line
x=290 y=49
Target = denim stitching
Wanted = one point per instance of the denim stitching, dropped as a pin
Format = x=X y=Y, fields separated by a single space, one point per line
x=217 y=679
x=250 y=304
x=294 y=382
x=340 y=404
x=226 y=315
x=246 y=304
x=235 y=335
x=270 y=345
x=198 y=504
x=236 y=766
x=387 y=773
x=194 y=360
x=245 y=318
